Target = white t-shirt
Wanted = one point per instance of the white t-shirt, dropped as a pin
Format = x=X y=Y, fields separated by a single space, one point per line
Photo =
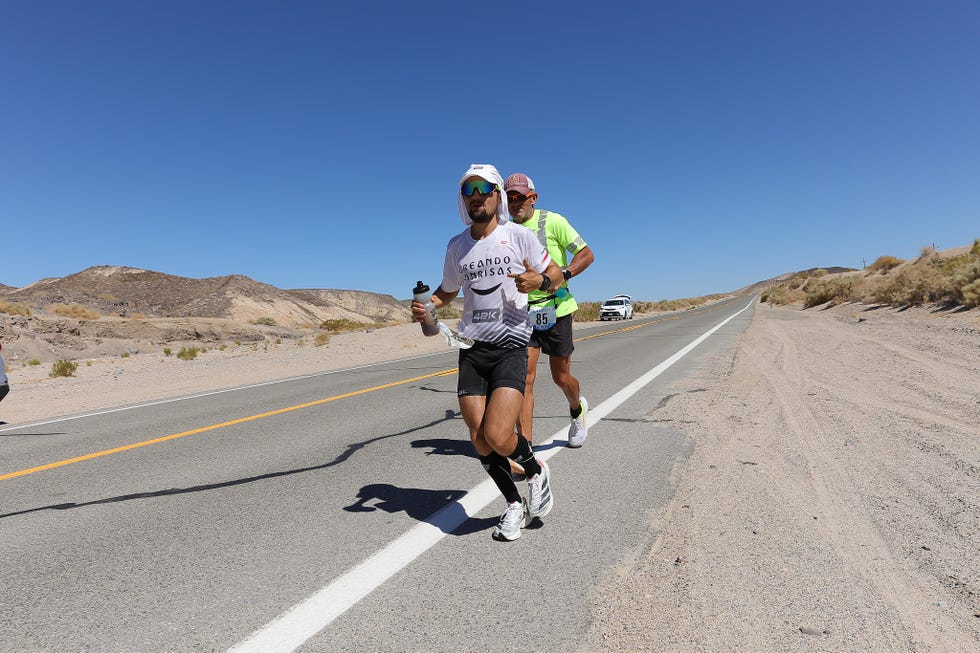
x=493 y=309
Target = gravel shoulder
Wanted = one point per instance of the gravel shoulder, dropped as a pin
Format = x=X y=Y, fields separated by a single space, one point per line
x=832 y=498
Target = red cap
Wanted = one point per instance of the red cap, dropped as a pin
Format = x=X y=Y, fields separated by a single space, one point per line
x=519 y=182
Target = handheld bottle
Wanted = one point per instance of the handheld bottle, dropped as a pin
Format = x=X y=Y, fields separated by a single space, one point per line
x=430 y=326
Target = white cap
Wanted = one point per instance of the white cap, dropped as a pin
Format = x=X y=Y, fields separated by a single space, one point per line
x=489 y=173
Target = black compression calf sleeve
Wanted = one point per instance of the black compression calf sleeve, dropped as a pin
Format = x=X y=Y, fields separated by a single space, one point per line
x=499 y=470
x=524 y=456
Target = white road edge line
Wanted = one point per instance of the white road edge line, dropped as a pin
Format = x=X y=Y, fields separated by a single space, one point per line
x=290 y=630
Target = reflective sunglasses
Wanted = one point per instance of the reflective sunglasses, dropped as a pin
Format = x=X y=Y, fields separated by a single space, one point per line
x=477 y=186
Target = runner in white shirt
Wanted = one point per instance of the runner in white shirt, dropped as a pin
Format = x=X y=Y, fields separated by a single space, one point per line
x=496 y=263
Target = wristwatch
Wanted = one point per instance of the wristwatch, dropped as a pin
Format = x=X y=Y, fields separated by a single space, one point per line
x=545 y=283
x=566 y=273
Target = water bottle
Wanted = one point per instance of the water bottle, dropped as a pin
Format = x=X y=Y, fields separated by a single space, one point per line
x=420 y=293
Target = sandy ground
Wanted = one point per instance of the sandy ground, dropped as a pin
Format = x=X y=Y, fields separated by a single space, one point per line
x=831 y=501
x=832 y=498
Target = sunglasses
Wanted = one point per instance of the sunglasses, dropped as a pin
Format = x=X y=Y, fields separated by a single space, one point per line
x=514 y=196
x=477 y=186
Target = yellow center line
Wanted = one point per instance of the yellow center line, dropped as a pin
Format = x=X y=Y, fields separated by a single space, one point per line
x=203 y=429
x=242 y=420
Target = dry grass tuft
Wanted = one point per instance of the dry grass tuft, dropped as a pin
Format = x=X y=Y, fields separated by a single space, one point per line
x=10 y=308
x=74 y=310
x=884 y=263
x=188 y=353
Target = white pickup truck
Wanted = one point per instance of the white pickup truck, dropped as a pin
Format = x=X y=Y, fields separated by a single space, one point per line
x=619 y=307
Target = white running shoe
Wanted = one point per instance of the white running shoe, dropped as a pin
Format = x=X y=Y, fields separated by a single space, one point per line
x=578 y=431
x=511 y=523
x=539 y=500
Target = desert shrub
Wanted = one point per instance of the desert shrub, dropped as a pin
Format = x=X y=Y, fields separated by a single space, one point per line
x=74 y=310
x=779 y=295
x=321 y=339
x=167 y=351
x=125 y=354
x=34 y=362
x=340 y=326
x=587 y=312
x=11 y=308
x=971 y=294
x=912 y=286
x=966 y=281
x=63 y=368
x=835 y=291
x=883 y=264
x=264 y=321
x=188 y=353
x=670 y=305
x=449 y=312
x=642 y=307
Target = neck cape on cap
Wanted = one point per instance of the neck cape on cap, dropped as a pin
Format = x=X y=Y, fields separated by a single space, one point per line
x=489 y=173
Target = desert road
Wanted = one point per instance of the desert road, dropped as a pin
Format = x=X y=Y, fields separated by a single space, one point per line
x=338 y=512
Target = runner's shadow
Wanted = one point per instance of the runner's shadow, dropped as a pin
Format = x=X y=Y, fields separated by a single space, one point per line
x=446 y=447
x=439 y=508
x=350 y=451
x=417 y=504
x=13 y=435
x=428 y=389
x=554 y=444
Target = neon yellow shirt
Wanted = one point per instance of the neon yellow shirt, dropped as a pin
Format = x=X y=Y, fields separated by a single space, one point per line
x=562 y=242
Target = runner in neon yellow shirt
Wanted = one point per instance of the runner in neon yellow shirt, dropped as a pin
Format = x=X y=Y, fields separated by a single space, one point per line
x=551 y=310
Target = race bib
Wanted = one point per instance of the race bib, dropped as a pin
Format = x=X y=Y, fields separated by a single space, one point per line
x=543 y=317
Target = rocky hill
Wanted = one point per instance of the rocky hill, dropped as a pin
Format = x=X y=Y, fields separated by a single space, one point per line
x=128 y=292
x=108 y=310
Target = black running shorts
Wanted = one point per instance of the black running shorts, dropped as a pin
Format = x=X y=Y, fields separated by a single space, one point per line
x=556 y=341
x=483 y=368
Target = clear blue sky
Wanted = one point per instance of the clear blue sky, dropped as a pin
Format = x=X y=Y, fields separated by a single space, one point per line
x=698 y=146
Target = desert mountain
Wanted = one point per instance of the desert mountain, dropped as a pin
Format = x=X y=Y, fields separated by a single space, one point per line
x=128 y=292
